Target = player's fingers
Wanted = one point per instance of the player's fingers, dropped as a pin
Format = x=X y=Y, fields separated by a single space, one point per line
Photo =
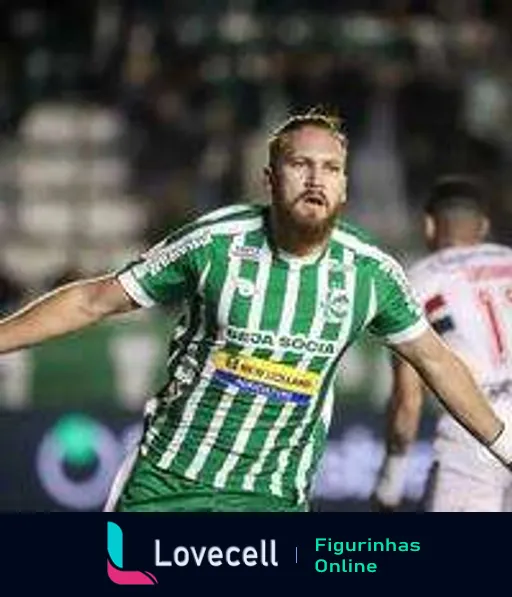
x=377 y=505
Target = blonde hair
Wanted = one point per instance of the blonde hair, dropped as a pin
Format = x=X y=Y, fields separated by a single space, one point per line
x=315 y=118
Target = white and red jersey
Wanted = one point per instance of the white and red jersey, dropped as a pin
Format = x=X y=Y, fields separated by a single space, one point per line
x=467 y=296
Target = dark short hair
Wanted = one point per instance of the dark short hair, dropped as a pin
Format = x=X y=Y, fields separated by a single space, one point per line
x=456 y=191
x=315 y=118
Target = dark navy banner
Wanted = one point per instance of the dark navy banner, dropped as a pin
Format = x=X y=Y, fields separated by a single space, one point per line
x=232 y=554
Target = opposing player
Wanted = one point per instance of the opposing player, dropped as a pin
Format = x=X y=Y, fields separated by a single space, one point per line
x=272 y=298
x=465 y=286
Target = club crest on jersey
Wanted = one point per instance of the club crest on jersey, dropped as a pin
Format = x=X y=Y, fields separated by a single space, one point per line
x=245 y=252
x=335 y=305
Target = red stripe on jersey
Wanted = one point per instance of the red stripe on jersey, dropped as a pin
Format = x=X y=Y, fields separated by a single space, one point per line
x=489 y=272
x=488 y=305
x=434 y=303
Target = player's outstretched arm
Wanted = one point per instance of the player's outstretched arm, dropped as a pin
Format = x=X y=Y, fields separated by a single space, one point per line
x=403 y=416
x=66 y=309
x=451 y=380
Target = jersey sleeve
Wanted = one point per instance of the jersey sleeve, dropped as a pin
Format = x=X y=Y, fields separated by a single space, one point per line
x=399 y=315
x=170 y=271
x=422 y=280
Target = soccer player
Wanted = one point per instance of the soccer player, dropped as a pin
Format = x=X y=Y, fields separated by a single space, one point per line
x=465 y=286
x=273 y=296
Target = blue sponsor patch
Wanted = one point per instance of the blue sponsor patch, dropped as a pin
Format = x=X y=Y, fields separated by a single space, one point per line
x=255 y=387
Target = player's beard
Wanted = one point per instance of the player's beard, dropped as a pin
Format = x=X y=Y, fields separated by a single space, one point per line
x=310 y=231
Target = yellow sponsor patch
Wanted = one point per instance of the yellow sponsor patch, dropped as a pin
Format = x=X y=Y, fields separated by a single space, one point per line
x=270 y=378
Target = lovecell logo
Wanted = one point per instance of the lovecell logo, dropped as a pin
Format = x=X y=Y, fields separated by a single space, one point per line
x=116 y=573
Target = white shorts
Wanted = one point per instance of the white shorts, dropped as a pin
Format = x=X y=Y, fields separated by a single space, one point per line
x=452 y=491
x=466 y=477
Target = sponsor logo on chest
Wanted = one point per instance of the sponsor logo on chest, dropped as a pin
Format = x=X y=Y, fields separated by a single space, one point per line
x=272 y=379
x=246 y=252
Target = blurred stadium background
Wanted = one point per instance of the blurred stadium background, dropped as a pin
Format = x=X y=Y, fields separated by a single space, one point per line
x=121 y=120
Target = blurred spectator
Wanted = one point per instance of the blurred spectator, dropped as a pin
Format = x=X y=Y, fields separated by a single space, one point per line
x=70 y=273
x=220 y=166
x=11 y=292
x=424 y=88
x=340 y=86
x=429 y=104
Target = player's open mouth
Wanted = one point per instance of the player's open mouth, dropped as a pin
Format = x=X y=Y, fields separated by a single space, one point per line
x=318 y=200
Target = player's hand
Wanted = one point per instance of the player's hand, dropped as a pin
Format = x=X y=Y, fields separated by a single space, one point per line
x=377 y=505
x=389 y=488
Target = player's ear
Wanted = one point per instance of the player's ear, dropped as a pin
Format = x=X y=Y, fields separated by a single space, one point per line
x=268 y=178
x=429 y=228
x=485 y=226
x=344 y=190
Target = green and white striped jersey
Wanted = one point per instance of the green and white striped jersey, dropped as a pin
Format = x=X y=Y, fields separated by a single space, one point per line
x=254 y=355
